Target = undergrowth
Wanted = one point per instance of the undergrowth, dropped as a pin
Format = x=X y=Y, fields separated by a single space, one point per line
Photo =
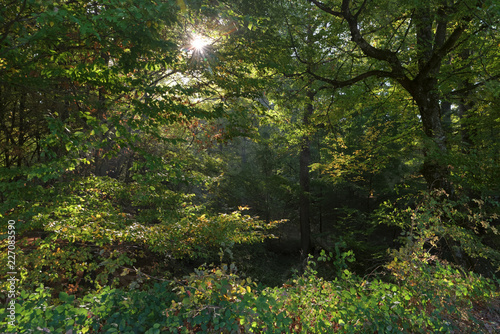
x=94 y=261
x=430 y=298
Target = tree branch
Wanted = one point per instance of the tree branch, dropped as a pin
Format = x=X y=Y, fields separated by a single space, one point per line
x=440 y=35
x=367 y=49
x=471 y=87
x=325 y=8
x=360 y=9
x=349 y=82
x=438 y=56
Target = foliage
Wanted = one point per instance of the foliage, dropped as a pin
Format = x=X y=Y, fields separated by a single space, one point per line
x=110 y=311
x=196 y=235
x=448 y=227
x=216 y=299
x=86 y=233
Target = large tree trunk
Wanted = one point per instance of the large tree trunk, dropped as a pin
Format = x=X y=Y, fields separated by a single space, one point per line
x=425 y=92
x=434 y=169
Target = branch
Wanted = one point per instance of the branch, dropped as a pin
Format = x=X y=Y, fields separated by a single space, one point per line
x=438 y=56
x=325 y=8
x=164 y=76
x=292 y=41
x=360 y=9
x=367 y=48
x=352 y=81
x=440 y=35
x=471 y=87
x=406 y=33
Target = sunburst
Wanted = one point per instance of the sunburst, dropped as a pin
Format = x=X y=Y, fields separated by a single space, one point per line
x=199 y=43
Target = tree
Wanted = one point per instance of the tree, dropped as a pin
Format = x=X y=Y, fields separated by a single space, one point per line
x=409 y=44
x=88 y=78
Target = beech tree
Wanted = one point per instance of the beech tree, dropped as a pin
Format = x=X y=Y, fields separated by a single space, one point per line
x=416 y=45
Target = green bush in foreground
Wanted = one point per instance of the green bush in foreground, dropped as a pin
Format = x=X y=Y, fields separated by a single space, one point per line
x=81 y=235
x=431 y=298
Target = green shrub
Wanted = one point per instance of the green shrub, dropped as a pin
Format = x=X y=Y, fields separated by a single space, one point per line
x=93 y=229
x=422 y=297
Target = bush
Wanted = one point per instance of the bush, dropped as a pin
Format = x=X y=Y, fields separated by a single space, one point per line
x=420 y=297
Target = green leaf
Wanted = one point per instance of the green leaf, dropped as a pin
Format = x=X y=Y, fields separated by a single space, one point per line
x=63 y=296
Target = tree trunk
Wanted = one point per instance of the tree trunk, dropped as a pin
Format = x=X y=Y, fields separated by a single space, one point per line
x=304 y=180
x=464 y=107
x=425 y=92
x=434 y=169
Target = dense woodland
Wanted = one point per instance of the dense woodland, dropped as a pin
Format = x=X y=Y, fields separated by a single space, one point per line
x=237 y=166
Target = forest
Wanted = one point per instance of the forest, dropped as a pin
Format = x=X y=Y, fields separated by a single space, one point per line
x=243 y=166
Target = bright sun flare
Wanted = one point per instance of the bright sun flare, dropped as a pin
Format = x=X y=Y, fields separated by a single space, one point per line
x=198 y=43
